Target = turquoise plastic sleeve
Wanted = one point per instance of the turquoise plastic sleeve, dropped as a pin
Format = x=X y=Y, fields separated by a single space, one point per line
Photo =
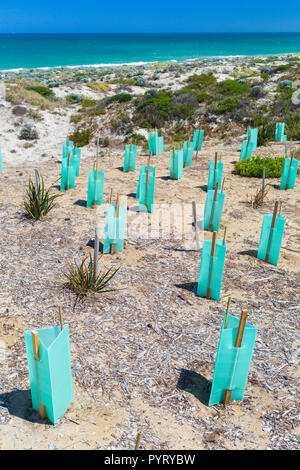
x=211 y=269
x=95 y=188
x=68 y=174
x=176 y=170
x=214 y=176
x=213 y=210
x=130 y=158
x=114 y=228
x=289 y=173
x=270 y=238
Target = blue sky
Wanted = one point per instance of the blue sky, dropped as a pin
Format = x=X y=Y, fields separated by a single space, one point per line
x=94 y=16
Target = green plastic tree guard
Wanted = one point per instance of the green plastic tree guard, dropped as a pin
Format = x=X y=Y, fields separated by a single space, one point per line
x=146 y=191
x=252 y=135
x=156 y=143
x=68 y=174
x=289 y=173
x=142 y=171
x=270 y=238
x=114 y=228
x=232 y=364
x=211 y=269
x=188 y=152
x=246 y=150
x=198 y=139
x=214 y=175
x=67 y=148
x=279 y=132
x=176 y=164
x=1 y=167
x=130 y=158
x=77 y=157
x=213 y=210
x=95 y=188
x=51 y=377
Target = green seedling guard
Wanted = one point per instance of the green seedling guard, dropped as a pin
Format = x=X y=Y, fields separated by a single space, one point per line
x=77 y=157
x=271 y=238
x=279 y=132
x=232 y=364
x=146 y=189
x=289 y=173
x=252 y=135
x=176 y=164
x=215 y=174
x=114 y=228
x=142 y=171
x=95 y=188
x=1 y=167
x=188 y=151
x=67 y=147
x=130 y=158
x=198 y=139
x=211 y=268
x=51 y=376
x=246 y=150
x=156 y=143
x=68 y=173
x=213 y=210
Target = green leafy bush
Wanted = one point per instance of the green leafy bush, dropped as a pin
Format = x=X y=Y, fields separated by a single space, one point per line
x=203 y=80
x=232 y=87
x=42 y=90
x=292 y=129
x=81 y=138
x=254 y=167
x=227 y=105
x=88 y=103
x=28 y=132
x=74 y=98
x=121 y=98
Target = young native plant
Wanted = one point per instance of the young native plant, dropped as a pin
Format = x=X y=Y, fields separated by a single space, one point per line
x=82 y=278
x=38 y=200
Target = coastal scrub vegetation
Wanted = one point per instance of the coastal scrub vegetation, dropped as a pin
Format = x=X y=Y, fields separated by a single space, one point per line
x=81 y=137
x=254 y=167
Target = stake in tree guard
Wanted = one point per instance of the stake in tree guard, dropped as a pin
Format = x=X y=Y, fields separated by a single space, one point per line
x=156 y=143
x=68 y=173
x=188 y=152
x=271 y=236
x=50 y=374
x=115 y=224
x=146 y=187
x=289 y=173
x=130 y=157
x=198 y=140
x=95 y=184
x=235 y=349
x=211 y=268
x=176 y=164
x=279 y=132
x=213 y=209
x=196 y=224
x=215 y=173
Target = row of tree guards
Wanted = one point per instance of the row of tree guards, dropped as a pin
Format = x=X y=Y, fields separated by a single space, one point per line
x=48 y=349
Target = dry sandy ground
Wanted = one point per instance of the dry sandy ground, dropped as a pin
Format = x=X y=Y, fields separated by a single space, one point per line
x=142 y=358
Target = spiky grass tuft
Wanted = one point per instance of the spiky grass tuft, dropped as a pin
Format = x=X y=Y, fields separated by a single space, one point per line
x=38 y=201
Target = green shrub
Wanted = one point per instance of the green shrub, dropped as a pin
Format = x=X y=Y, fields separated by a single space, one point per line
x=88 y=103
x=137 y=139
x=232 y=87
x=121 y=98
x=254 y=167
x=292 y=129
x=99 y=86
x=28 y=132
x=42 y=90
x=73 y=98
x=227 y=105
x=203 y=80
x=81 y=138
x=104 y=141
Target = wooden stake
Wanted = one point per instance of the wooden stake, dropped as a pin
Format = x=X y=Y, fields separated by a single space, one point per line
x=198 y=141
x=138 y=440
x=147 y=181
x=272 y=227
x=212 y=209
x=224 y=237
x=96 y=178
x=227 y=312
x=111 y=196
x=96 y=253
x=238 y=343
x=223 y=185
x=37 y=357
x=60 y=318
x=113 y=245
x=69 y=162
x=263 y=185
x=212 y=254
x=195 y=223
x=216 y=160
x=36 y=345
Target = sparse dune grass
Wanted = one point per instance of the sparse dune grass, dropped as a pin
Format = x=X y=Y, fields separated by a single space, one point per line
x=17 y=94
x=99 y=86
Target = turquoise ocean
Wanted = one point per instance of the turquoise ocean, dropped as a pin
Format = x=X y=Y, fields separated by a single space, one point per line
x=53 y=50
